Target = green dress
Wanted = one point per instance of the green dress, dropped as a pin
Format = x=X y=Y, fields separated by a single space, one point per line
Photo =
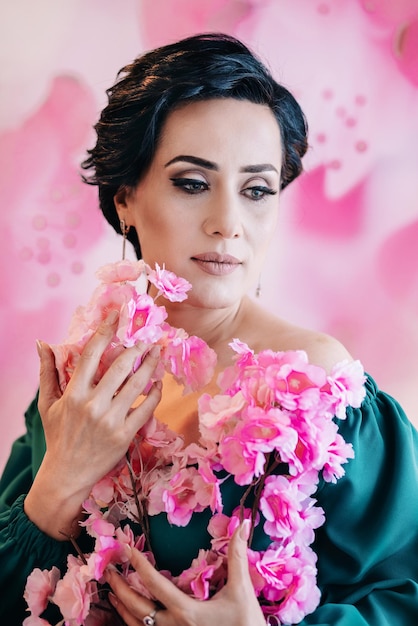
x=367 y=550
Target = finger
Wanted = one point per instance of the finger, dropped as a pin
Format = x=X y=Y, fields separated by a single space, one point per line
x=127 y=601
x=159 y=586
x=49 y=389
x=120 y=377
x=238 y=570
x=127 y=617
x=89 y=360
x=141 y=414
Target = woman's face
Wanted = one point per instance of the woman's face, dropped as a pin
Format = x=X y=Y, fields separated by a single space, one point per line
x=207 y=206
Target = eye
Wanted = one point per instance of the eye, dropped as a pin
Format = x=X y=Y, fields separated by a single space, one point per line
x=190 y=185
x=258 y=192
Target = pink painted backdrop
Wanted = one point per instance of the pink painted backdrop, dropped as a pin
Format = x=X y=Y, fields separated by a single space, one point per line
x=345 y=257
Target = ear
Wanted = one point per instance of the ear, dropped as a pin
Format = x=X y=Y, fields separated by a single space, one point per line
x=122 y=201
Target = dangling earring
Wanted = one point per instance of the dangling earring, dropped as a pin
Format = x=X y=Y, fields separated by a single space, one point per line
x=258 y=288
x=124 y=230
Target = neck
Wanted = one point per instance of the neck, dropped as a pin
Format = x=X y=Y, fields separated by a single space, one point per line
x=217 y=327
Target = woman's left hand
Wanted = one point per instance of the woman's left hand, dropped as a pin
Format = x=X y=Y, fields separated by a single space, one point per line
x=236 y=604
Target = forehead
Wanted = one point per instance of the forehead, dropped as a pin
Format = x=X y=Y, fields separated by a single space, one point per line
x=222 y=129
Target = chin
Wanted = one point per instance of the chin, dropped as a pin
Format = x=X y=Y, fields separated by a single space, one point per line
x=215 y=298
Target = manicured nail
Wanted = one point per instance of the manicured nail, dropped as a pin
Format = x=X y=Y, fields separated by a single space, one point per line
x=109 y=572
x=39 y=347
x=112 y=317
x=244 y=531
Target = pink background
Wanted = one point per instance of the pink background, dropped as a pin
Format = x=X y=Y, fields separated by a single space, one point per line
x=345 y=257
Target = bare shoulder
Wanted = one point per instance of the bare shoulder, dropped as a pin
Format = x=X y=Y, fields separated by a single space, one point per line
x=277 y=334
x=322 y=349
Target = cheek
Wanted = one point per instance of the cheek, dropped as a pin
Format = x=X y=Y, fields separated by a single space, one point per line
x=162 y=239
x=151 y=227
x=262 y=234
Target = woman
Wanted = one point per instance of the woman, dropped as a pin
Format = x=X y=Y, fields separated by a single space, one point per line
x=193 y=150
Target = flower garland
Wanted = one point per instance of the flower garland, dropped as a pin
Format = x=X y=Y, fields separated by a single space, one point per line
x=270 y=428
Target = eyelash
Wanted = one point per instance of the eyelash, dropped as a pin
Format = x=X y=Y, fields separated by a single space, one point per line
x=187 y=183
x=266 y=191
x=193 y=186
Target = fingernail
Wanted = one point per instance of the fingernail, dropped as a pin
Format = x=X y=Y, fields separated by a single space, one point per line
x=244 y=532
x=112 y=317
x=39 y=347
x=109 y=572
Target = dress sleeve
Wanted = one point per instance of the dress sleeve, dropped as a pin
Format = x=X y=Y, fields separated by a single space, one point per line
x=368 y=548
x=22 y=545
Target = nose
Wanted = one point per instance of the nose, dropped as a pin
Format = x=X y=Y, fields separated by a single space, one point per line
x=224 y=216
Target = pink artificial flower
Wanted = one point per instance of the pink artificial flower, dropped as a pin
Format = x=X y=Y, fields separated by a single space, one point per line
x=169 y=284
x=313 y=517
x=290 y=579
x=107 y=550
x=66 y=358
x=315 y=435
x=95 y=514
x=197 y=454
x=73 y=593
x=240 y=461
x=295 y=384
x=221 y=527
x=346 y=383
x=220 y=531
x=303 y=596
x=218 y=415
x=267 y=430
x=157 y=497
x=281 y=506
x=156 y=433
x=40 y=587
x=198 y=578
x=289 y=511
x=241 y=348
x=272 y=378
x=141 y=321
x=185 y=495
x=105 y=299
x=34 y=620
x=338 y=453
x=126 y=537
x=103 y=490
x=208 y=490
x=245 y=356
x=121 y=271
x=102 y=528
x=189 y=359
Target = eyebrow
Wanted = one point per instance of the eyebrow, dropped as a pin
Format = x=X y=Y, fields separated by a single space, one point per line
x=210 y=165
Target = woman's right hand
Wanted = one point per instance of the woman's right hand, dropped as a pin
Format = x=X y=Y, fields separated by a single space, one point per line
x=88 y=428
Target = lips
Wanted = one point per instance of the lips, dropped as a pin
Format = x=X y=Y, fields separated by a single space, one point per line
x=217 y=264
